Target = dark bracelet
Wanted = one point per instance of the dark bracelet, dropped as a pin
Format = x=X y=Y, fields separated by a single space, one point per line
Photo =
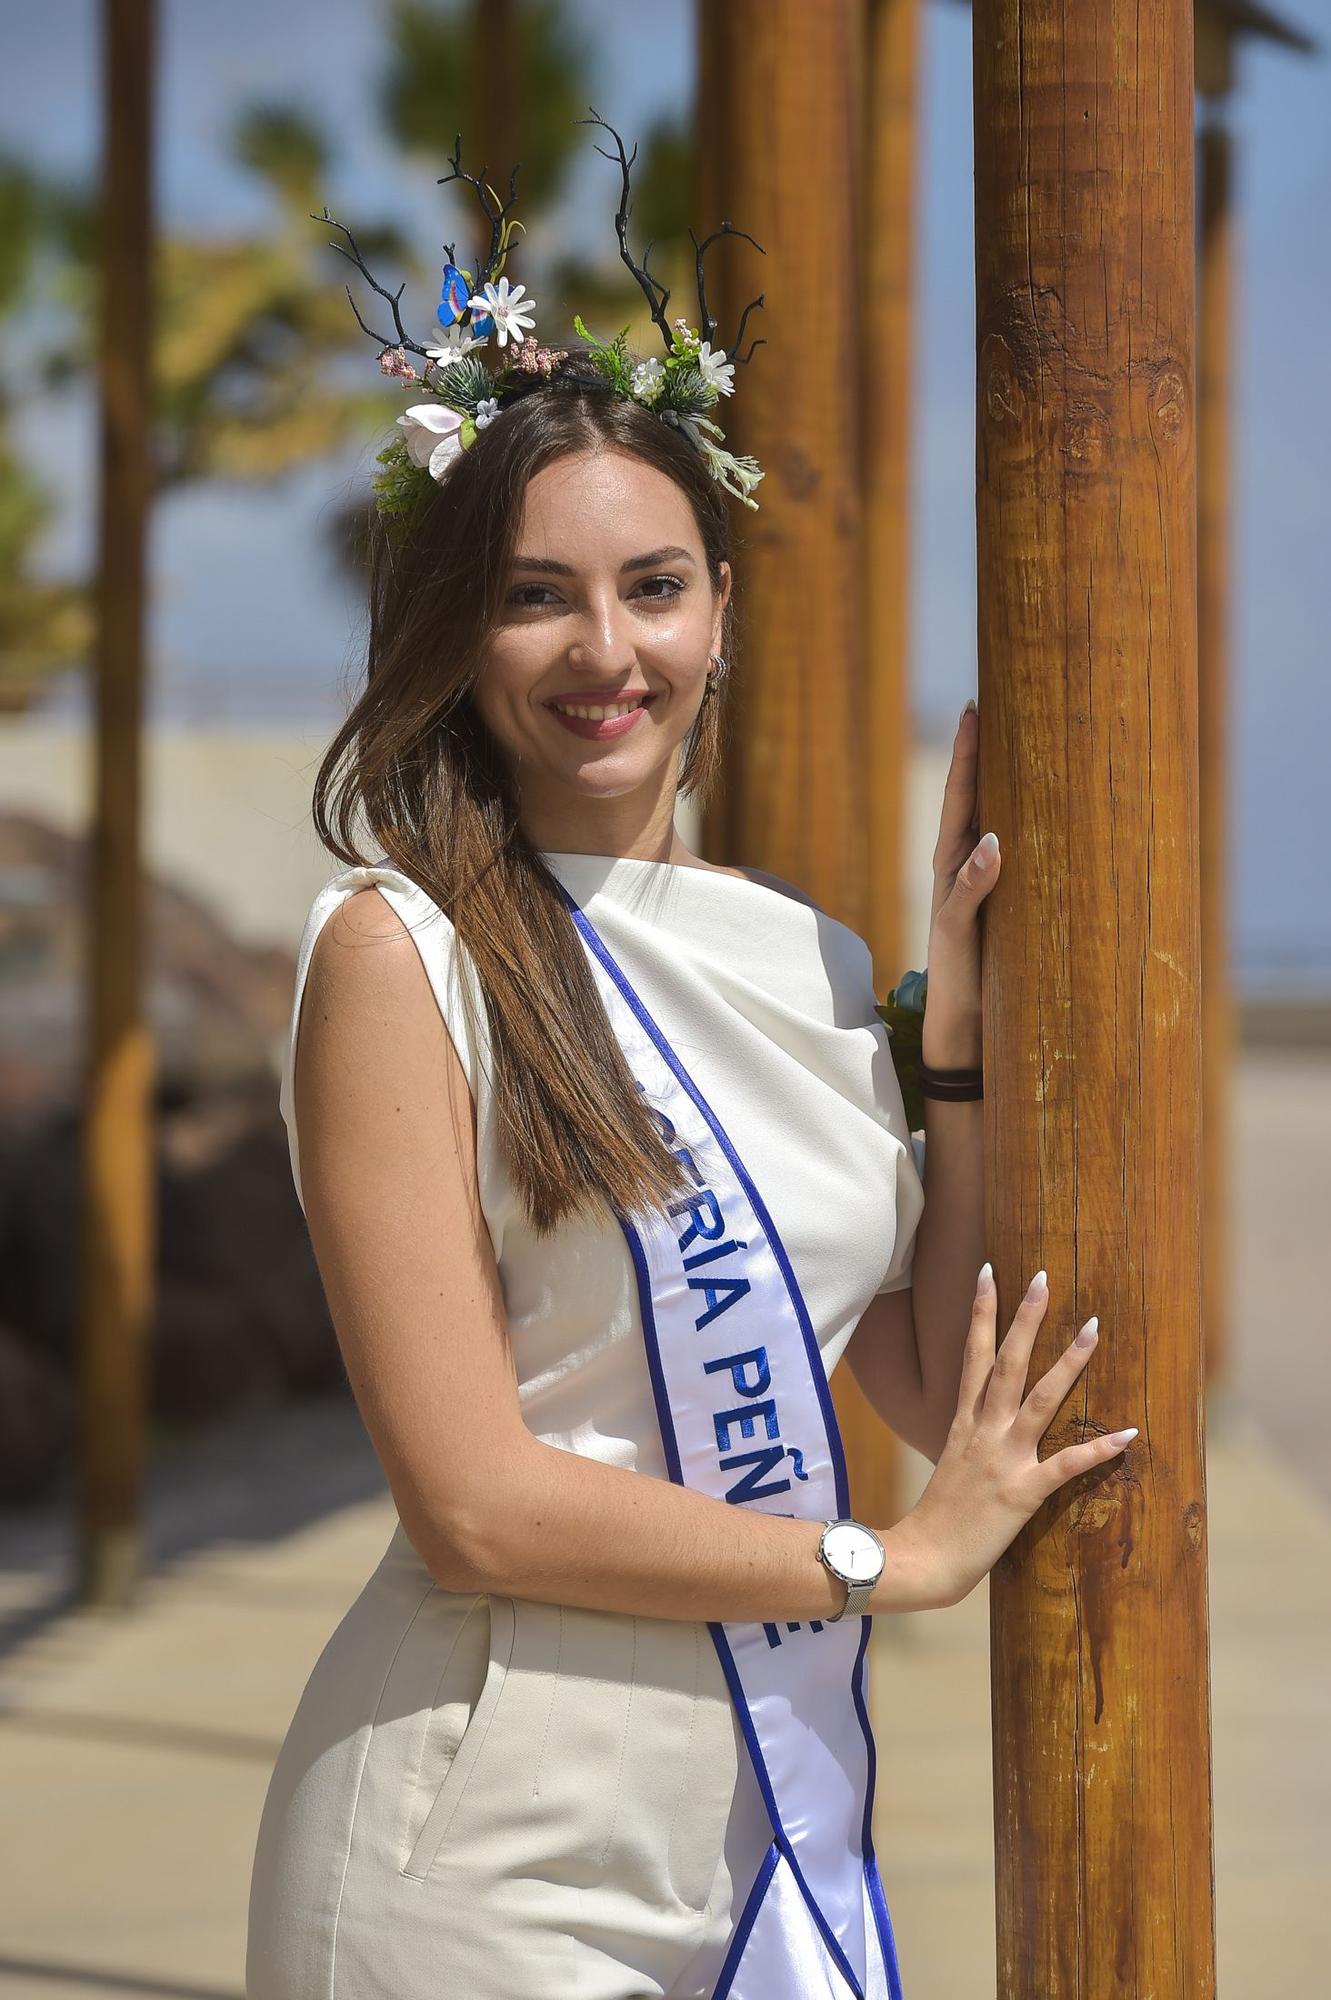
x=949 y=1086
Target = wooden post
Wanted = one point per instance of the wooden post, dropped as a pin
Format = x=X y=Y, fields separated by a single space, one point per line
x=889 y=243
x=1088 y=707
x=1221 y=27
x=889 y=306
x=1219 y=1025
x=781 y=113
x=784 y=161
x=117 y=1237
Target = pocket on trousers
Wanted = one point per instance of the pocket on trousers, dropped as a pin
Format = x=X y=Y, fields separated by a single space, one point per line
x=460 y=1719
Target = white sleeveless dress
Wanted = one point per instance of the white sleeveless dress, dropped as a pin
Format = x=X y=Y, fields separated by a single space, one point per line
x=510 y=1800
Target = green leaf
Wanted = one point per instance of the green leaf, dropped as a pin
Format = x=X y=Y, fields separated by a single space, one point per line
x=903 y=1014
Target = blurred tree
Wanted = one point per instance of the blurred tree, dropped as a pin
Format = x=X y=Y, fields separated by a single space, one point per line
x=250 y=334
x=251 y=329
x=43 y=625
x=260 y=364
x=431 y=89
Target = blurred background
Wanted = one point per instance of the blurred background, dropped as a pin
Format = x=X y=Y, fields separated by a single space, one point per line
x=262 y=1500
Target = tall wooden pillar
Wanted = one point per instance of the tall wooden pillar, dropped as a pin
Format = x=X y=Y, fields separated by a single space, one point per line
x=784 y=161
x=891 y=61
x=1219 y=1024
x=1221 y=28
x=117 y=1230
x=782 y=155
x=1086 y=528
x=888 y=335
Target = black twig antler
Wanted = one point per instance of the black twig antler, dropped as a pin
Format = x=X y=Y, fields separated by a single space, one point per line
x=352 y=255
x=656 y=294
x=491 y=207
x=708 y=323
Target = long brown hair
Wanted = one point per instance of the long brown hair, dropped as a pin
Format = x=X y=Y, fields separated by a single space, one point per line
x=418 y=766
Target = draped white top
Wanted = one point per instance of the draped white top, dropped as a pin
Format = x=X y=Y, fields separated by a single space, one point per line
x=769 y=1004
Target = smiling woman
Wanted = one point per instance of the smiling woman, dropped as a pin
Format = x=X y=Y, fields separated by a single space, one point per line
x=611 y=646
x=487 y=621
x=603 y=1157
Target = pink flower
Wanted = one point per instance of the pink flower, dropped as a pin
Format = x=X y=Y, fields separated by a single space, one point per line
x=394 y=362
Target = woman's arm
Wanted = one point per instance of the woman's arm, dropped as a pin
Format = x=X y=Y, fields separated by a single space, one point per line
x=949 y=1241
x=907 y=1351
x=388 y=1170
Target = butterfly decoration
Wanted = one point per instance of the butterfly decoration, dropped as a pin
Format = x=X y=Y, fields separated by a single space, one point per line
x=455 y=290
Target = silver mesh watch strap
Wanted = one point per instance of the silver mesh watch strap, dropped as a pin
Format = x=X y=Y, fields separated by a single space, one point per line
x=857 y=1599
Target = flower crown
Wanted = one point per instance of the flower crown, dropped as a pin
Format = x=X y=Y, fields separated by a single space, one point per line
x=465 y=394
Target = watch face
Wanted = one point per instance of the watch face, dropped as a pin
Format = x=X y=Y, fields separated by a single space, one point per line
x=853 y=1551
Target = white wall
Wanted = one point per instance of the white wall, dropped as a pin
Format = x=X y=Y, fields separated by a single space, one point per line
x=227 y=816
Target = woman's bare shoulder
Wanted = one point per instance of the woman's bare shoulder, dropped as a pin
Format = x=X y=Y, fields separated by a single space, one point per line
x=366 y=964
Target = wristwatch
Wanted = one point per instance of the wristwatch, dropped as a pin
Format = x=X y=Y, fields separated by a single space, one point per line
x=855 y=1554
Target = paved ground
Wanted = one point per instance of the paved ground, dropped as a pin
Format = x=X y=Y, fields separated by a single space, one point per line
x=134 y=1750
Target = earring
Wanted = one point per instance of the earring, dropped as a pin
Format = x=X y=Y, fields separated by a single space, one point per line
x=716 y=673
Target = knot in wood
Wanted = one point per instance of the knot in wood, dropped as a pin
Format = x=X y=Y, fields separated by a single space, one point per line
x=1169 y=406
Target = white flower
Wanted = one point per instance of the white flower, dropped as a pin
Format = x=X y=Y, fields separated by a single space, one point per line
x=648 y=380
x=738 y=475
x=456 y=341
x=715 y=368
x=486 y=411
x=506 y=307
x=432 y=436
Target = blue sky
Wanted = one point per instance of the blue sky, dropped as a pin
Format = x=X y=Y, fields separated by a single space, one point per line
x=291 y=634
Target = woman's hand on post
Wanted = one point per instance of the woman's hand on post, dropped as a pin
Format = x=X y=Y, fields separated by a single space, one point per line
x=990 y=1480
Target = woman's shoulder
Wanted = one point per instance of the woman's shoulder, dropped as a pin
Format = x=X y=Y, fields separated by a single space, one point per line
x=370 y=932
x=373 y=903
x=361 y=944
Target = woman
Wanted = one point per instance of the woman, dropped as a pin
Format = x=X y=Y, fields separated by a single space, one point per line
x=534 y=1758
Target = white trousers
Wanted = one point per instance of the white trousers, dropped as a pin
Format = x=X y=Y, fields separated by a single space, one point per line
x=500 y=1799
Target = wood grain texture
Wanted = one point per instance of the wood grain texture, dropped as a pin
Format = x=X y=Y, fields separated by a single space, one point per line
x=782 y=158
x=893 y=45
x=1086 y=532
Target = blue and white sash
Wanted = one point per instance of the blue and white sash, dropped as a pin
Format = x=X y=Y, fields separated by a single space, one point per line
x=747 y=1416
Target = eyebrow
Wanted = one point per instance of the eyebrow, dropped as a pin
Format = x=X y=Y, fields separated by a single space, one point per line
x=549 y=567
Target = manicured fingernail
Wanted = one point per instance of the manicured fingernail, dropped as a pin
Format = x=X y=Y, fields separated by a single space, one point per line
x=987 y=852
x=969 y=709
x=986 y=1283
x=1039 y=1284
x=1123 y=1437
x=1088 y=1334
